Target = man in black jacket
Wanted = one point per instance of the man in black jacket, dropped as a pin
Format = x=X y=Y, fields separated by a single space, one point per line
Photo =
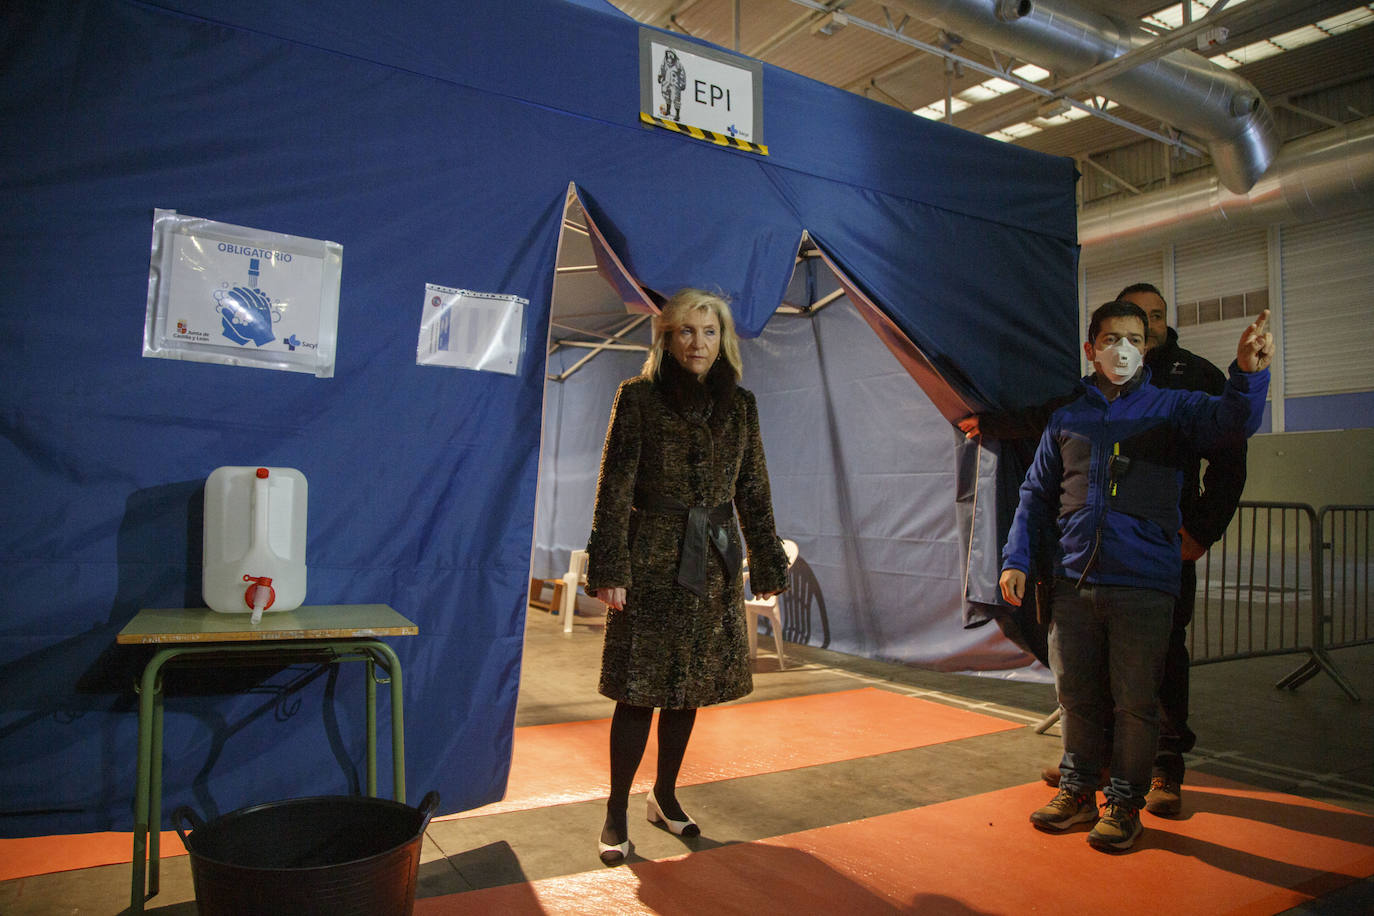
x=1208 y=502
x=1207 y=510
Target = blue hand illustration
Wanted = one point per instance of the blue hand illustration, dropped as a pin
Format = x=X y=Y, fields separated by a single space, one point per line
x=246 y=315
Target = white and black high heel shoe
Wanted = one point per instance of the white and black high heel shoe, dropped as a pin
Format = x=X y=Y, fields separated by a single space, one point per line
x=612 y=855
x=686 y=828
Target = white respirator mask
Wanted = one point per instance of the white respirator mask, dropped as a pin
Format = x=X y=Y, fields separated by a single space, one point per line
x=1118 y=362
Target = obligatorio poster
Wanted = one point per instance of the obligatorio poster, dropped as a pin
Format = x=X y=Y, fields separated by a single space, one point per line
x=234 y=295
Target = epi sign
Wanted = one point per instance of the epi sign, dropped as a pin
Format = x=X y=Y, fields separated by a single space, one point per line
x=700 y=91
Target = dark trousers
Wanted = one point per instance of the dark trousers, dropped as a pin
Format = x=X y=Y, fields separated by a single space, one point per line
x=1175 y=737
x=1107 y=647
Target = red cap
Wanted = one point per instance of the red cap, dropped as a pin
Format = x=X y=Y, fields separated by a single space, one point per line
x=262 y=473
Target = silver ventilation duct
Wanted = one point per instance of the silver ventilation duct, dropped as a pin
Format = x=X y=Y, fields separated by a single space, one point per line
x=1183 y=89
x=1321 y=175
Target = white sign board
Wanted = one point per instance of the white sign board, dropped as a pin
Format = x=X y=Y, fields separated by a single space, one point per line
x=686 y=85
x=220 y=293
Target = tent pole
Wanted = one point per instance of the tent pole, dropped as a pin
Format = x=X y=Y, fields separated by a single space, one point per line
x=588 y=345
x=633 y=323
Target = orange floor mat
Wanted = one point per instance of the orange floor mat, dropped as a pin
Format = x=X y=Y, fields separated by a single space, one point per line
x=1238 y=851
x=556 y=764
x=570 y=761
x=41 y=855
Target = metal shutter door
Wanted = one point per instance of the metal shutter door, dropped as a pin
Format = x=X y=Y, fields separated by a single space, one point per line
x=1328 y=275
x=1104 y=279
x=1231 y=269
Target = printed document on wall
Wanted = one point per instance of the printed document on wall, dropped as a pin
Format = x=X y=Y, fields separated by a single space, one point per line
x=463 y=329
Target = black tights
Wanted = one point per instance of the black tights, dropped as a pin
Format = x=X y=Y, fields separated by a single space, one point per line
x=629 y=735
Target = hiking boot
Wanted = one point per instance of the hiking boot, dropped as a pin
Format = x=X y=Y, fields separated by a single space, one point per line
x=1065 y=810
x=1051 y=777
x=1117 y=828
x=1165 y=798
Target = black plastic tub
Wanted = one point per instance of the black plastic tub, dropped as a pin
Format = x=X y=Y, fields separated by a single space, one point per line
x=334 y=855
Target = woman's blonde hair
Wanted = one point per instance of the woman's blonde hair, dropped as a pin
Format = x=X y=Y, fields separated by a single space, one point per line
x=675 y=312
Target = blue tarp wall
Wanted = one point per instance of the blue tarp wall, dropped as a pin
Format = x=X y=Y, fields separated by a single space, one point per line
x=436 y=144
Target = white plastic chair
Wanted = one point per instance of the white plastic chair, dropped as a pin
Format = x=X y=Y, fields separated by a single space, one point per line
x=755 y=608
x=575 y=576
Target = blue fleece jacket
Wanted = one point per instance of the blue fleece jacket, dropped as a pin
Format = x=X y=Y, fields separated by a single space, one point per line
x=1107 y=475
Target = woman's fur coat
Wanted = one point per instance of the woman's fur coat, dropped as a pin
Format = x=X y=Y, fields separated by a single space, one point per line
x=697 y=444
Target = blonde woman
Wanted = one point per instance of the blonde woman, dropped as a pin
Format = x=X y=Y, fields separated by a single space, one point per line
x=683 y=453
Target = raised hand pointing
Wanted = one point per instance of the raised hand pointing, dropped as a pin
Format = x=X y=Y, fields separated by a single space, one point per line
x=1256 y=348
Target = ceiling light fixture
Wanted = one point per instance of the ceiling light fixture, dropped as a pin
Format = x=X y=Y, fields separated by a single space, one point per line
x=1053 y=108
x=830 y=24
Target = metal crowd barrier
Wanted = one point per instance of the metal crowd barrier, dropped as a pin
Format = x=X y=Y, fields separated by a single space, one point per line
x=1286 y=580
x=1346 y=539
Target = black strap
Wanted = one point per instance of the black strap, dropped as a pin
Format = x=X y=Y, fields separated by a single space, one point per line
x=703 y=527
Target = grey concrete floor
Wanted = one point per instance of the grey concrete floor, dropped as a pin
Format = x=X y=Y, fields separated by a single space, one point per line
x=1313 y=742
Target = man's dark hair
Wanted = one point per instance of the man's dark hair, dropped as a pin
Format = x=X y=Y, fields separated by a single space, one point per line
x=1140 y=288
x=1115 y=309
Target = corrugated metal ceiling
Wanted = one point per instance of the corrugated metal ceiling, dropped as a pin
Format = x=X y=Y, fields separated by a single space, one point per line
x=781 y=33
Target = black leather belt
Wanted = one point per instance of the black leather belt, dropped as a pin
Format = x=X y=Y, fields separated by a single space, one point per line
x=703 y=527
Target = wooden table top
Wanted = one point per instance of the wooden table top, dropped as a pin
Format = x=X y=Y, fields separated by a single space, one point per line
x=326 y=621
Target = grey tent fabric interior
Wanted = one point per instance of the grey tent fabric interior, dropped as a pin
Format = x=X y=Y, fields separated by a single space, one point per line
x=863 y=471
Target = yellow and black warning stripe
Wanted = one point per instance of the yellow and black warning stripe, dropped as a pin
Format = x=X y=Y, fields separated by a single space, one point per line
x=709 y=136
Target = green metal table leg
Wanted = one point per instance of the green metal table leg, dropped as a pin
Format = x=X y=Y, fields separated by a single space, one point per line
x=371 y=677
x=149 y=689
x=145 y=754
x=155 y=798
x=398 y=731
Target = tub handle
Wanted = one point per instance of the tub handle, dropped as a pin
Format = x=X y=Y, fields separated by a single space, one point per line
x=428 y=805
x=184 y=813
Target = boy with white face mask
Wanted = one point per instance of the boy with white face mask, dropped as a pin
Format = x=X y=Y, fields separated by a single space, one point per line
x=1211 y=491
x=1106 y=479
x=1119 y=360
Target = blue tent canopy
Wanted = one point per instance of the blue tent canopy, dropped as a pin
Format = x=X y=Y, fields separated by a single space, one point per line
x=436 y=145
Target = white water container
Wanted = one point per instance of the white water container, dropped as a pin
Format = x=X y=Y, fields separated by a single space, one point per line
x=254 y=554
